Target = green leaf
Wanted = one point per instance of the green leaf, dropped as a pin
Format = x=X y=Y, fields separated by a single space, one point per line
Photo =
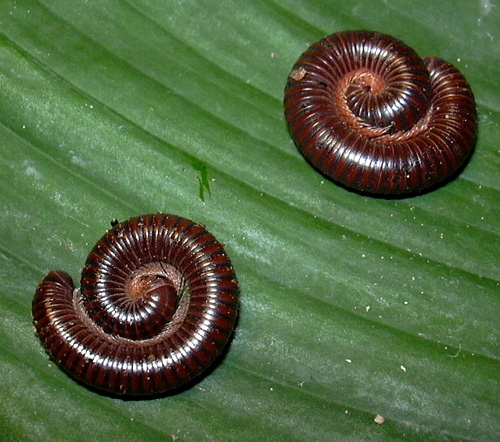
x=351 y=306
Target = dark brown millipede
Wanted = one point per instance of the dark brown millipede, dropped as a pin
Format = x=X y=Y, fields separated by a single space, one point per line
x=157 y=304
x=369 y=113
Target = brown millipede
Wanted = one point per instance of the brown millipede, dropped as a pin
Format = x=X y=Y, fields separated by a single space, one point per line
x=368 y=112
x=157 y=304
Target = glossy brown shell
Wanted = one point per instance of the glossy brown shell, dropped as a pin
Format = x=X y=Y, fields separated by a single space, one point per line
x=158 y=302
x=368 y=112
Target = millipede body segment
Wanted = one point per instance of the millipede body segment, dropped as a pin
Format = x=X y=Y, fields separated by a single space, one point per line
x=157 y=304
x=369 y=113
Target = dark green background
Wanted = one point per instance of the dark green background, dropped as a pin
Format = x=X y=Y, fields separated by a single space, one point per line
x=350 y=306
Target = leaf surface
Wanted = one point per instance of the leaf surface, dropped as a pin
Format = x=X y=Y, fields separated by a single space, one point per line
x=351 y=306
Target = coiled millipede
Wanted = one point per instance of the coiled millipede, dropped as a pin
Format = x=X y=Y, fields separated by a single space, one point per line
x=157 y=304
x=369 y=113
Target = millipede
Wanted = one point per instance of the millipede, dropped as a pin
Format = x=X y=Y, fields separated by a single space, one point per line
x=158 y=303
x=369 y=113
